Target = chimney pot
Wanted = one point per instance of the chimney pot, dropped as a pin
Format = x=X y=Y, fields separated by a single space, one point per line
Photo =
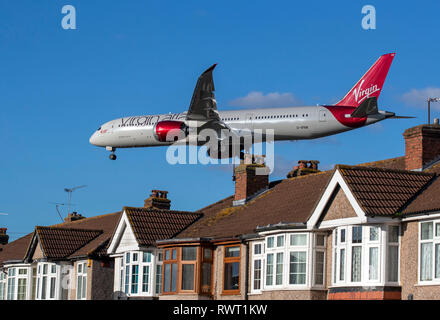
x=74 y=216
x=158 y=200
x=4 y=238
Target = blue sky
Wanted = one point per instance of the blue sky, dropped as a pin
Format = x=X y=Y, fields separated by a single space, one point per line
x=143 y=57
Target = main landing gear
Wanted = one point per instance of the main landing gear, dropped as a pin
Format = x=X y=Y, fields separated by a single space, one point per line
x=112 y=155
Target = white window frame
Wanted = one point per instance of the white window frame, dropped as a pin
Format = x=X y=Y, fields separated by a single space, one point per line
x=81 y=278
x=256 y=257
x=322 y=249
x=435 y=241
x=381 y=243
x=299 y=248
x=13 y=274
x=153 y=265
x=50 y=275
x=3 y=285
x=285 y=248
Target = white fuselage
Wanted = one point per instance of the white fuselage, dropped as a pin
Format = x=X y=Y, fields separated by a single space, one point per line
x=293 y=123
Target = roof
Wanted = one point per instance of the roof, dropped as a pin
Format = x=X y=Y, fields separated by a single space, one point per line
x=150 y=224
x=289 y=201
x=397 y=163
x=58 y=243
x=15 y=250
x=383 y=191
x=106 y=224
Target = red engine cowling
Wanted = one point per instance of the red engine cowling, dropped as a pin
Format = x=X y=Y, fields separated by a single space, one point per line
x=169 y=131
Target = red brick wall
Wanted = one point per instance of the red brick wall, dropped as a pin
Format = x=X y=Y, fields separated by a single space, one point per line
x=365 y=295
x=422 y=145
x=247 y=182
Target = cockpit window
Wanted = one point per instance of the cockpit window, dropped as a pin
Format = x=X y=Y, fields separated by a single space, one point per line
x=99 y=129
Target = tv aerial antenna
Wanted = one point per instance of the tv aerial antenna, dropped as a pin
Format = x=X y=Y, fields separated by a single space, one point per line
x=70 y=191
x=57 y=206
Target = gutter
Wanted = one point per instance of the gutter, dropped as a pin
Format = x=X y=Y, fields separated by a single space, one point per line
x=282 y=226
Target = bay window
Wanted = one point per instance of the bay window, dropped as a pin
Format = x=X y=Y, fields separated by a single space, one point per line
x=14 y=283
x=47 y=284
x=187 y=269
x=290 y=260
x=429 y=252
x=140 y=272
x=358 y=253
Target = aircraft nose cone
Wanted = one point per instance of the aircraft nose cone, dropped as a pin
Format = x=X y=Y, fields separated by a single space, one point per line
x=93 y=139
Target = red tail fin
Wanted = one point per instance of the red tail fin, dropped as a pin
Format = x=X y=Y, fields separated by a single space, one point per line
x=370 y=85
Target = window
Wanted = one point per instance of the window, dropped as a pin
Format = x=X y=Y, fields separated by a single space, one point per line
x=207 y=271
x=81 y=280
x=136 y=273
x=188 y=267
x=257 y=272
x=319 y=261
x=429 y=248
x=159 y=272
x=11 y=283
x=393 y=254
x=231 y=280
x=2 y=285
x=358 y=260
x=47 y=281
x=298 y=263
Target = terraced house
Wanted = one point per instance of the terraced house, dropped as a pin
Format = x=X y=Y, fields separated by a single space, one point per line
x=369 y=231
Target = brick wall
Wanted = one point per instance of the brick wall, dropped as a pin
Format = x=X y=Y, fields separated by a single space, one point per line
x=409 y=266
x=247 y=182
x=422 y=145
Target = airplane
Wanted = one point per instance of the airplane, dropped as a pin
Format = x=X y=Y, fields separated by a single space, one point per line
x=358 y=108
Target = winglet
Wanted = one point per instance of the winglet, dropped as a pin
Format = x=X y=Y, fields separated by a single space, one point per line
x=210 y=68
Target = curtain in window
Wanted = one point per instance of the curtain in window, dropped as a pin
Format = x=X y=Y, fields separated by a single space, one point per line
x=437 y=260
x=279 y=270
x=356 y=259
x=297 y=267
x=257 y=274
x=342 y=265
x=374 y=264
x=269 y=269
x=426 y=262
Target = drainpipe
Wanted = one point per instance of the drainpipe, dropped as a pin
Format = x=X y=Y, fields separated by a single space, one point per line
x=246 y=282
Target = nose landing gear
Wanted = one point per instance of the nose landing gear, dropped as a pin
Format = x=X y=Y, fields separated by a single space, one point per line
x=112 y=155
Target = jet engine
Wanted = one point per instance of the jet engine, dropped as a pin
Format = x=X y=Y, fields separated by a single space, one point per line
x=170 y=131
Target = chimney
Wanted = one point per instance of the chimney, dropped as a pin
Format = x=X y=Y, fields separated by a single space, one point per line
x=4 y=238
x=158 y=200
x=422 y=145
x=74 y=216
x=303 y=168
x=251 y=178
